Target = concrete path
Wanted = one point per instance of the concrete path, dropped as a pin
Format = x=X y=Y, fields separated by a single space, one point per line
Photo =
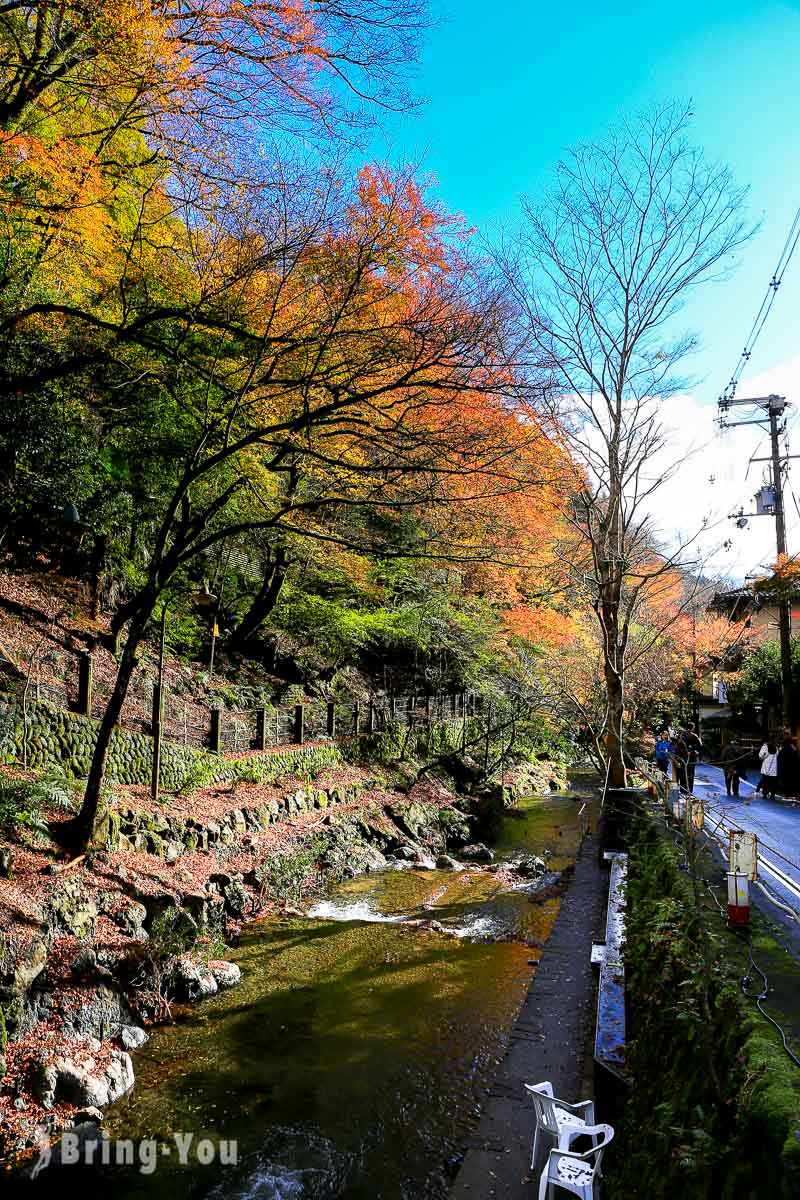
x=549 y=1041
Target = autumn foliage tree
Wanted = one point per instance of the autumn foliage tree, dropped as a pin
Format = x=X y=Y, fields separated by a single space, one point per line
x=345 y=359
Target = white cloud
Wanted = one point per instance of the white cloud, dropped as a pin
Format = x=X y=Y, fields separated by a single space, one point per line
x=702 y=453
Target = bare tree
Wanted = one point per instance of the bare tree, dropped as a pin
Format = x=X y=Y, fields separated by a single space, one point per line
x=631 y=226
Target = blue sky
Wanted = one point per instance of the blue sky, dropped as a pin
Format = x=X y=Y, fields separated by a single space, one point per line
x=510 y=85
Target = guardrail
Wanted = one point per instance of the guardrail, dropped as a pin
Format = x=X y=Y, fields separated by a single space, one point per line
x=609 y=1042
x=718 y=828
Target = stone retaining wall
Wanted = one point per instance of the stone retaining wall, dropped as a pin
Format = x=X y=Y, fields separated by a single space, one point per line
x=171 y=836
x=59 y=740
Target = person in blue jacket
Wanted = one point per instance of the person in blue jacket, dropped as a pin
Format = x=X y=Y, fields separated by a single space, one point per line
x=664 y=751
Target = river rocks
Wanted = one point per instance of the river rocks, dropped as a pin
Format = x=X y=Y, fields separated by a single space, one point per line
x=405 y=854
x=431 y=926
x=132 y=1037
x=531 y=865
x=227 y=974
x=477 y=853
x=88 y=1114
x=86 y=1083
x=191 y=981
x=445 y=863
x=96 y=1011
x=552 y=883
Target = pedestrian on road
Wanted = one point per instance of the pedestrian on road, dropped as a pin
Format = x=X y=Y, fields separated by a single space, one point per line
x=789 y=770
x=732 y=760
x=663 y=752
x=762 y=754
x=768 y=783
x=681 y=760
x=694 y=749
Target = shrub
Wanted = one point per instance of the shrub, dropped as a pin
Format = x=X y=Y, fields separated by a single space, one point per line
x=282 y=876
x=21 y=804
x=711 y=1082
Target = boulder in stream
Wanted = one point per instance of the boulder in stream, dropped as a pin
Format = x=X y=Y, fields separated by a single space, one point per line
x=86 y=1083
x=227 y=974
x=477 y=853
x=132 y=1037
x=191 y=981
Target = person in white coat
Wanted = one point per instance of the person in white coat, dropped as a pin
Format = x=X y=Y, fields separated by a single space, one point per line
x=768 y=784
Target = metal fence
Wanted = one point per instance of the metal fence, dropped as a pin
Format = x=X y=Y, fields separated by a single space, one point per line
x=231 y=731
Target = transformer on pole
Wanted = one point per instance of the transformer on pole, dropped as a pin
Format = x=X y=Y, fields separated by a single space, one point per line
x=769 y=502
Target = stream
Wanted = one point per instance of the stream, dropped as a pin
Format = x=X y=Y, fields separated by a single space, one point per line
x=350 y=1060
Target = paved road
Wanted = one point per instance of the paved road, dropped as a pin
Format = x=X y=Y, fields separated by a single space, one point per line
x=775 y=822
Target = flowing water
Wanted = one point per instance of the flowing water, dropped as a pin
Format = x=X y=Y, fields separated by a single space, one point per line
x=350 y=1060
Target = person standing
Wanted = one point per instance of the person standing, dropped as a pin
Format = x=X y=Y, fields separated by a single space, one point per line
x=681 y=759
x=663 y=752
x=694 y=748
x=789 y=769
x=768 y=782
x=732 y=760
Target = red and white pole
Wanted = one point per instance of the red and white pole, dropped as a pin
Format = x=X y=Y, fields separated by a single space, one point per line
x=738 y=899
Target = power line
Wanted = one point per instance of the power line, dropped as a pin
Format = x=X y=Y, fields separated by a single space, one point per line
x=787 y=253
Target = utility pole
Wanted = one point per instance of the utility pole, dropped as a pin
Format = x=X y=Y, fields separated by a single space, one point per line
x=773 y=407
x=784 y=602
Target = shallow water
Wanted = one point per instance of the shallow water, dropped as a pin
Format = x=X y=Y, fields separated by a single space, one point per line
x=350 y=1060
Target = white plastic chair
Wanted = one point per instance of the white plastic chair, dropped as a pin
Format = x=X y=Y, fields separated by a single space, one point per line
x=574 y=1172
x=556 y=1118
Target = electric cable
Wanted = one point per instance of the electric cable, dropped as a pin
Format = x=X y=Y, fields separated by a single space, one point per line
x=787 y=253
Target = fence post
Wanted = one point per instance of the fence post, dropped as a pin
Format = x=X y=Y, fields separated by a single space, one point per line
x=371 y=720
x=216 y=730
x=261 y=729
x=158 y=713
x=428 y=708
x=331 y=722
x=299 y=723
x=85 y=680
x=356 y=719
x=393 y=708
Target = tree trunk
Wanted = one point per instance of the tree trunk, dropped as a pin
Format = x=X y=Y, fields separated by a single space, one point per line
x=263 y=603
x=86 y=821
x=615 y=735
